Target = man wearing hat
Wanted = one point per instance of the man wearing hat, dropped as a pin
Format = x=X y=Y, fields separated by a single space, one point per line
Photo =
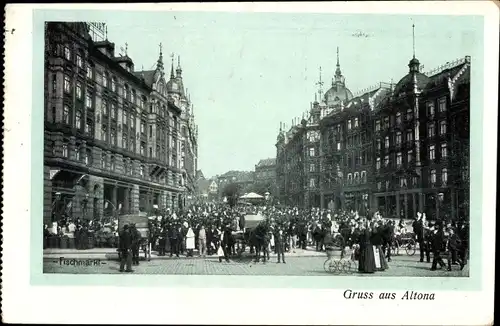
x=136 y=242
x=125 y=250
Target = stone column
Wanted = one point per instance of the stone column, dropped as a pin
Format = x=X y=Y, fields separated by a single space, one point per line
x=421 y=203
x=96 y=157
x=96 y=189
x=398 y=208
x=406 y=205
x=114 y=195
x=413 y=197
x=126 y=200
x=47 y=196
x=453 y=204
x=134 y=193
x=385 y=205
x=163 y=199
x=71 y=148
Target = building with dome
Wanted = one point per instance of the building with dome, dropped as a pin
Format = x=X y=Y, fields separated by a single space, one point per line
x=117 y=140
x=397 y=148
x=421 y=143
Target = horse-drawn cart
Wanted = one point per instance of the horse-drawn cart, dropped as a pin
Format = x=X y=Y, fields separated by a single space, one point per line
x=243 y=237
x=142 y=225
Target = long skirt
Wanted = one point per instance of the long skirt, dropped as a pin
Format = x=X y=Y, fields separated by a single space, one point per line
x=381 y=263
x=366 y=260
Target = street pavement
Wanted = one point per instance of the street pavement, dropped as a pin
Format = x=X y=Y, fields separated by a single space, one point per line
x=306 y=264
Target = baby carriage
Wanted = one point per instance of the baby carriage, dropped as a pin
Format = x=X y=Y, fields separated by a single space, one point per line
x=340 y=260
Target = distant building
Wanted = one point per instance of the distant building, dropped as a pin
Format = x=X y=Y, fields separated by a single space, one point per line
x=265 y=170
x=241 y=178
x=207 y=189
x=116 y=140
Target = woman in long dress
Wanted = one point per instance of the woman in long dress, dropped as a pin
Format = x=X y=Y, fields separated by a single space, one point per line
x=190 y=241
x=366 y=257
x=377 y=240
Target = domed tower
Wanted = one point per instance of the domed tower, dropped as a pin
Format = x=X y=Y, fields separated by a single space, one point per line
x=414 y=81
x=173 y=87
x=338 y=92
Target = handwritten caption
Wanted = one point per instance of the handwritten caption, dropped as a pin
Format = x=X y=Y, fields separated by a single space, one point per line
x=80 y=262
x=408 y=295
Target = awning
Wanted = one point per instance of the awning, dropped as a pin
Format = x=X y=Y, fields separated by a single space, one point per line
x=66 y=178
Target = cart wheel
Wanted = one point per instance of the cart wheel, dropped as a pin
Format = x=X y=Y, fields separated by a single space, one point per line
x=335 y=266
x=346 y=266
x=410 y=247
x=326 y=265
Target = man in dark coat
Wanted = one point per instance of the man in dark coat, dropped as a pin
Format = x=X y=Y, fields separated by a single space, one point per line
x=453 y=248
x=437 y=248
x=280 y=240
x=463 y=234
x=174 y=236
x=387 y=236
x=136 y=242
x=423 y=243
x=125 y=250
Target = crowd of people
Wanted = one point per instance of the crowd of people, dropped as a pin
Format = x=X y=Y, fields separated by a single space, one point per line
x=217 y=229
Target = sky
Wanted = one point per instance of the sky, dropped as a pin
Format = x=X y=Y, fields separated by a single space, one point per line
x=247 y=72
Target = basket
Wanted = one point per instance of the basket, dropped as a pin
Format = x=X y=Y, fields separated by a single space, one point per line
x=333 y=253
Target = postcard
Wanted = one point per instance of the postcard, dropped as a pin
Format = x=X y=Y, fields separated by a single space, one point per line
x=250 y=163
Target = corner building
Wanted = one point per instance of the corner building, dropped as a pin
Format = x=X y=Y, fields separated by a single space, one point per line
x=421 y=143
x=113 y=136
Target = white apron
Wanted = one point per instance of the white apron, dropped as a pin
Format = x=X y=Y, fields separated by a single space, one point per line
x=376 y=253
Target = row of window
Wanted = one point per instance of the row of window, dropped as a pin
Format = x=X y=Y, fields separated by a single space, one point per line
x=399 y=156
x=108 y=81
x=86 y=157
x=403 y=181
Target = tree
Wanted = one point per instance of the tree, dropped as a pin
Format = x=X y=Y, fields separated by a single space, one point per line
x=231 y=192
x=261 y=187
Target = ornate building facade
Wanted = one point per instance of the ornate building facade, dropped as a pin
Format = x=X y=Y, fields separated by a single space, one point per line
x=115 y=138
x=417 y=151
x=397 y=149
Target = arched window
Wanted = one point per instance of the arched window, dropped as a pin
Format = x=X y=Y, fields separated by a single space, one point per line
x=105 y=80
x=444 y=177
x=113 y=84
x=433 y=177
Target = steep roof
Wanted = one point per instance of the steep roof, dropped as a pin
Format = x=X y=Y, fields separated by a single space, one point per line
x=148 y=76
x=266 y=162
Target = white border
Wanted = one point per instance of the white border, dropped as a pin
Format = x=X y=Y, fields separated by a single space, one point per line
x=25 y=304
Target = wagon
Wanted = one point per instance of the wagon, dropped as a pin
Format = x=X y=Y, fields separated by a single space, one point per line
x=242 y=237
x=405 y=241
x=142 y=225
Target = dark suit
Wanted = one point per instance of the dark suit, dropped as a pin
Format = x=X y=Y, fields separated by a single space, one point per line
x=437 y=248
x=136 y=242
x=279 y=244
x=423 y=243
x=125 y=250
x=453 y=248
x=174 y=236
x=387 y=235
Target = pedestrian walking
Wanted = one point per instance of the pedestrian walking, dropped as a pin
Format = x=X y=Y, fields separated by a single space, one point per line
x=136 y=239
x=279 y=244
x=174 y=240
x=437 y=248
x=125 y=250
x=202 y=241
x=190 y=242
x=453 y=248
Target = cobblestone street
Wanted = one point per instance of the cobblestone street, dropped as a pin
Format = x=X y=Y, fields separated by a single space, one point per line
x=295 y=266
